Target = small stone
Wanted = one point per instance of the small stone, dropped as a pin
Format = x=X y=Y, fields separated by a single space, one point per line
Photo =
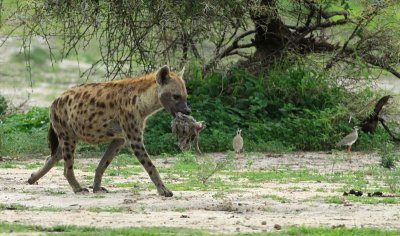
x=277 y=227
x=264 y=223
x=347 y=204
x=185 y=216
x=128 y=201
x=377 y=194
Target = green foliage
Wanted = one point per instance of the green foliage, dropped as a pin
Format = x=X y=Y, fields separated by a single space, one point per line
x=37 y=118
x=362 y=199
x=87 y=230
x=283 y=110
x=209 y=166
x=392 y=179
x=388 y=155
x=37 y=56
x=158 y=137
x=287 y=230
x=24 y=133
x=3 y=105
x=376 y=141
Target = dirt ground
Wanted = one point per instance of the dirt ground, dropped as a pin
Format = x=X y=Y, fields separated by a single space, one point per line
x=243 y=210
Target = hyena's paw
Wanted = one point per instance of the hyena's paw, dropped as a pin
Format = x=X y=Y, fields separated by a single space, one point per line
x=81 y=191
x=100 y=190
x=163 y=191
x=31 y=180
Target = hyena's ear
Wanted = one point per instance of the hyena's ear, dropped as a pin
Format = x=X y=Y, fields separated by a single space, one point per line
x=162 y=75
x=181 y=72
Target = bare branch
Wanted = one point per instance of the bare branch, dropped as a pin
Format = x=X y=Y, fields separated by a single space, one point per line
x=321 y=25
x=325 y=14
x=226 y=52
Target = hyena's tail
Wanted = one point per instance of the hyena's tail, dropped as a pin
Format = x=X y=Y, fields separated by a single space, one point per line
x=53 y=140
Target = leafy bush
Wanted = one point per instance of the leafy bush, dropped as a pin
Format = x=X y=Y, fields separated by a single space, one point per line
x=388 y=155
x=25 y=133
x=298 y=108
x=37 y=117
x=3 y=105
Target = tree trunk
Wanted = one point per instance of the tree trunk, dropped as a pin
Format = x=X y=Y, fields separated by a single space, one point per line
x=369 y=124
x=270 y=39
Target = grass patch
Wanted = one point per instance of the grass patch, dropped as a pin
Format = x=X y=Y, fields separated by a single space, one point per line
x=13 y=206
x=362 y=199
x=283 y=175
x=8 y=164
x=180 y=209
x=75 y=230
x=215 y=183
x=51 y=209
x=289 y=230
x=34 y=165
x=55 y=192
x=109 y=209
x=277 y=198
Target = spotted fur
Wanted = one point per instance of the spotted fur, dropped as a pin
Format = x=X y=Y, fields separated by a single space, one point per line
x=116 y=112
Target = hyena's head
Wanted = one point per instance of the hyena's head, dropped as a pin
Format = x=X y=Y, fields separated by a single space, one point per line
x=172 y=91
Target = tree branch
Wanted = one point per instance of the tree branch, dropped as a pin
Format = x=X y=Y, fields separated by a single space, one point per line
x=325 y=14
x=234 y=46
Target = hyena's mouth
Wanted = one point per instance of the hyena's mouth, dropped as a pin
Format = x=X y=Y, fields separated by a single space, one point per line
x=186 y=111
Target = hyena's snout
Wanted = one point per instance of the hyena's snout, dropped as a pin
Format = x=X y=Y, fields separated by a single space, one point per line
x=182 y=107
x=186 y=110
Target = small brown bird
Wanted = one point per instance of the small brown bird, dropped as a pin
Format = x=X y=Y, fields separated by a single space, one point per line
x=349 y=140
x=237 y=143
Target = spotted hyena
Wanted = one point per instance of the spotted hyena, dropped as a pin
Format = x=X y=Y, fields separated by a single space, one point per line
x=116 y=112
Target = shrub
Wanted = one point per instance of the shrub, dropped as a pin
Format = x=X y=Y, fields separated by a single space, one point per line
x=3 y=105
x=25 y=133
x=24 y=122
x=388 y=155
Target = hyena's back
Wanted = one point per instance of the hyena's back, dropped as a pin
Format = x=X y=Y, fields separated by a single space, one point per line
x=92 y=112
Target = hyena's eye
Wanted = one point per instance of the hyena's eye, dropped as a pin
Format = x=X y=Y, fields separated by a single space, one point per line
x=177 y=96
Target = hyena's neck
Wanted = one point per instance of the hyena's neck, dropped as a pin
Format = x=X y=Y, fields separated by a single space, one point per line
x=140 y=95
x=148 y=102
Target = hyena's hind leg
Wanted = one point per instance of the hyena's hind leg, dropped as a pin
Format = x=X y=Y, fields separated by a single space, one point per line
x=50 y=162
x=67 y=145
x=109 y=155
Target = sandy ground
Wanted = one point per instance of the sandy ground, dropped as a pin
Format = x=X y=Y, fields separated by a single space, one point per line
x=244 y=210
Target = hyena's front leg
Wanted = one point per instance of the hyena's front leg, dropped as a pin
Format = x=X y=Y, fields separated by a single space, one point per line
x=141 y=154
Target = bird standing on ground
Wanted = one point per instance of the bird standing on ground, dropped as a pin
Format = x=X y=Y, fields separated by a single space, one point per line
x=349 y=140
x=237 y=143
